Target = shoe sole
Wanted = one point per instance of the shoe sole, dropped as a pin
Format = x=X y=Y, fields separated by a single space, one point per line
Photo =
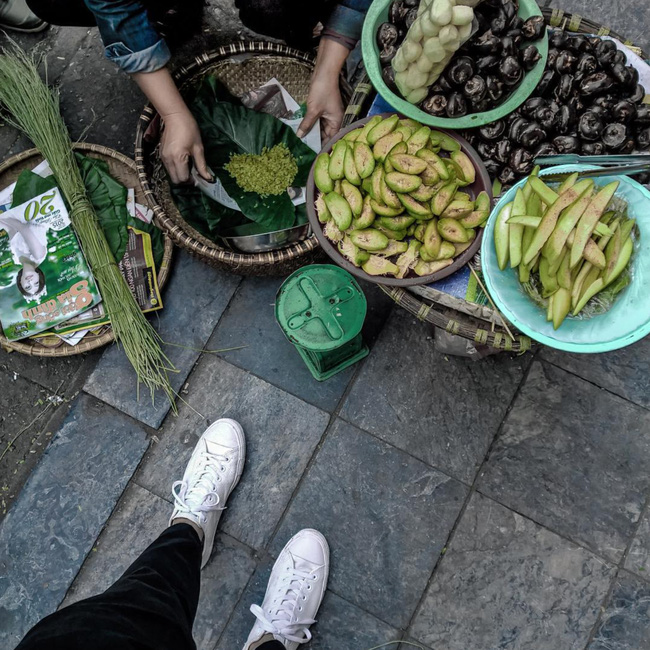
x=25 y=30
x=241 y=439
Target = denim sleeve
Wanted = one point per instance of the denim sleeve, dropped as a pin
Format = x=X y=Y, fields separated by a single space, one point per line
x=347 y=19
x=130 y=40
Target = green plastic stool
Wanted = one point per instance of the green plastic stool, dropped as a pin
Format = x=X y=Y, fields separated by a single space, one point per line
x=321 y=309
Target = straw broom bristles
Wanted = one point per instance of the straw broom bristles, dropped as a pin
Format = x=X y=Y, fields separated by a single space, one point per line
x=34 y=109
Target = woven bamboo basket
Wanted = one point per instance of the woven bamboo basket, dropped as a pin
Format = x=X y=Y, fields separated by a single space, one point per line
x=240 y=67
x=450 y=320
x=122 y=169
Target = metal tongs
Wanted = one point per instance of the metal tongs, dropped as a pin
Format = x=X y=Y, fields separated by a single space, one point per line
x=606 y=165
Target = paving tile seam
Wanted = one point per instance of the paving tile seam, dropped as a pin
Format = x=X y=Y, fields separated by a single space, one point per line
x=472 y=490
x=593 y=383
x=620 y=568
x=445 y=472
x=82 y=45
x=334 y=415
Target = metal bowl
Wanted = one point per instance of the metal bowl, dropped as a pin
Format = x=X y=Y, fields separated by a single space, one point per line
x=268 y=241
x=482 y=183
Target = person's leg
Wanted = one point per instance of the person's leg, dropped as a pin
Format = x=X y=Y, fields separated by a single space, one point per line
x=72 y=13
x=296 y=588
x=292 y=21
x=153 y=605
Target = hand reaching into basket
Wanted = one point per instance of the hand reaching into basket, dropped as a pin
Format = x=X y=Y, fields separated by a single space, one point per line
x=324 y=100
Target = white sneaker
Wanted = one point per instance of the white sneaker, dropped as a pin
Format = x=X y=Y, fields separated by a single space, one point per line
x=296 y=589
x=211 y=475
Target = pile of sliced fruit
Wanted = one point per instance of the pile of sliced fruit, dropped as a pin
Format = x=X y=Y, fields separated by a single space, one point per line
x=390 y=198
x=572 y=241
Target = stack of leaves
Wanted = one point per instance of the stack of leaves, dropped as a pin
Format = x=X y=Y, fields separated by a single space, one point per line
x=229 y=130
x=34 y=109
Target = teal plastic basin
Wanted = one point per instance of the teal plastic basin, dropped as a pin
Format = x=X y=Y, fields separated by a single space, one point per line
x=378 y=14
x=625 y=323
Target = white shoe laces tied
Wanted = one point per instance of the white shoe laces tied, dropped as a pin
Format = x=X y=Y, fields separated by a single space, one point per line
x=201 y=496
x=278 y=620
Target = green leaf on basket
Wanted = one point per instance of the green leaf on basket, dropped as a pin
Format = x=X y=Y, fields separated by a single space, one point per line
x=229 y=129
x=30 y=185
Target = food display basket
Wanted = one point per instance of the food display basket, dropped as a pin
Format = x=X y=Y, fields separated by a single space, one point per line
x=451 y=320
x=123 y=170
x=240 y=67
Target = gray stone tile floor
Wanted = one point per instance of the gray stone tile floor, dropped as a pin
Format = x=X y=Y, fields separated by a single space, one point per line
x=468 y=505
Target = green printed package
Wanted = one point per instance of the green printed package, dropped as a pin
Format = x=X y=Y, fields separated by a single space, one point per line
x=44 y=278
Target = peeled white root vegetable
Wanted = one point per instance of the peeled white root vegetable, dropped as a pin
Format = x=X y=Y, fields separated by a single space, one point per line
x=441 y=27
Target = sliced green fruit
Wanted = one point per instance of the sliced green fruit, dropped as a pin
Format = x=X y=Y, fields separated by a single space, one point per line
x=366 y=186
x=350 y=168
x=337 y=160
x=388 y=196
x=435 y=161
x=432 y=239
x=384 y=210
x=516 y=230
x=474 y=219
x=549 y=220
x=396 y=224
x=418 y=140
x=453 y=231
x=590 y=218
x=407 y=260
x=397 y=235
x=383 y=128
x=549 y=282
x=447 y=250
x=458 y=209
x=377 y=265
x=369 y=239
x=321 y=209
x=444 y=141
x=566 y=223
x=352 y=252
x=545 y=193
x=394 y=248
x=429 y=176
x=525 y=220
x=410 y=123
x=502 y=236
x=405 y=131
x=321 y=174
x=377 y=179
x=369 y=126
x=568 y=182
x=461 y=248
x=564 y=275
x=339 y=209
x=419 y=231
x=367 y=216
x=364 y=160
x=443 y=198
x=332 y=231
x=385 y=145
x=423 y=193
x=351 y=136
x=466 y=166
x=352 y=195
x=407 y=164
x=591 y=291
x=403 y=183
x=417 y=209
x=429 y=268
x=623 y=260
x=561 y=306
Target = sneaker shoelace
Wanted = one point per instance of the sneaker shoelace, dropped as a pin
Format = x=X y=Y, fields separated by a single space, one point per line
x=277 y=620
x=201 y=495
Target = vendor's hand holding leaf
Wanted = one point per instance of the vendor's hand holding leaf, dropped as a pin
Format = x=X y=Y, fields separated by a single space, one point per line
x=180 y=143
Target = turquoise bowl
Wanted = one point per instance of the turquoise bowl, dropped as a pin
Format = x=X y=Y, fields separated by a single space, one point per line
x=625 y=323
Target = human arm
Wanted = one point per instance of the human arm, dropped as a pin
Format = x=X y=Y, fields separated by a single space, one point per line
x=340 y=35
x=132 y=42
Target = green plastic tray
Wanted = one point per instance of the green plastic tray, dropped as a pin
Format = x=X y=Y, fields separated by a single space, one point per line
x=625 y=323
x=378 y=14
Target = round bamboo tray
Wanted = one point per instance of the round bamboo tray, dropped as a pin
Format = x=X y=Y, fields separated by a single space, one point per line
x=240 y=67
x=123 y=170
x=450 y=320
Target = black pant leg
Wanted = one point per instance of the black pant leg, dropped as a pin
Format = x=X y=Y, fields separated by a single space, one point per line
x=72 y=13
x=151 y=607
x=292 y=21
x=272 y=645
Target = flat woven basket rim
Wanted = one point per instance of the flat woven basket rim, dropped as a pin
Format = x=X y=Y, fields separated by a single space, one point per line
x=173 y=224
x=89 y=342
